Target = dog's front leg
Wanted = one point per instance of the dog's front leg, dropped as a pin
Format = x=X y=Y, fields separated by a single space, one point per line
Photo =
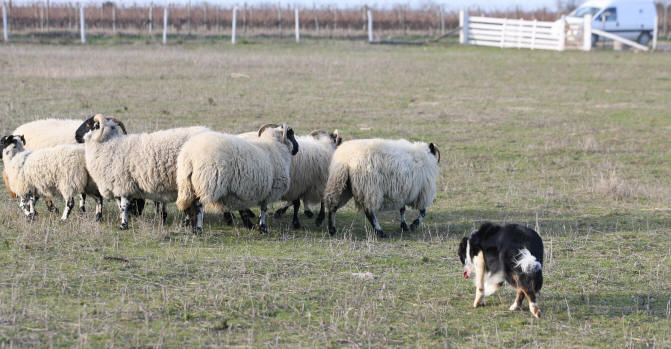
x=479 y=279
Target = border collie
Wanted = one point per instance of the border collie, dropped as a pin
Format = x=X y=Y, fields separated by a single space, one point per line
x=512 y=253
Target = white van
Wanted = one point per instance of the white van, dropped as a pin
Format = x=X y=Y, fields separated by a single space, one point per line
x=630 y=19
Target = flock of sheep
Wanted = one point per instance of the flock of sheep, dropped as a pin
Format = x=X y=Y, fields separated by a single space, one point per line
x=198 y=168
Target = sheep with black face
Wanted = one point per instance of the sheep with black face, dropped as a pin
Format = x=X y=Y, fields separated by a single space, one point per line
x=50 y=172
x=382 y=175
x=129 y=166
x=233 y=172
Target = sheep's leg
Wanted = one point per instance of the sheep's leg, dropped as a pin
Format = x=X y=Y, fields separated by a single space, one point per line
x=161 y=211
x=332 y=226
x=321 y=215
x=50 y=206
x=228 y=218
x=404 y=225
x=297 y=208
x=263 y=228
x=418 y=221
x=82 y=202
x=376 y=225
x=306 y=210
x=69 y=204
x=99 y=207
x=246 y=219
x=31 y=206
x=124 y=204
x=282 y=210
x=197 y=220
x=23 y=204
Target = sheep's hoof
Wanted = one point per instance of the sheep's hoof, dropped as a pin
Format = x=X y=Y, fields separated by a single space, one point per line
x=414 y=225
x=123 y=226
x=99 y=216
x=308 y=213
x=381 y=234
x=332 y=230
x=262 y=228
x=404 y=227
x=279 y=213
x=319 y=220
x=82 y=209
x=297 y=225
x=53 y=209
x=31 y=216
x=197 y=230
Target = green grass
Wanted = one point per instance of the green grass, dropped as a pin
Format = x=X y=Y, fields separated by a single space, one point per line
x=573 y=144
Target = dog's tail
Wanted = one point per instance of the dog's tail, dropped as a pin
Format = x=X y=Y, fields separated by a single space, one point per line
x=526 y=262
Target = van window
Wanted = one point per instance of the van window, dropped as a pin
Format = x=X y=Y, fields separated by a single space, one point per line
x=583 y=11
x=611 y=15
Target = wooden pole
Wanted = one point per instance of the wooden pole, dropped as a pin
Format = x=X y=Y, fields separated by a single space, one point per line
x=165 y=25
x=666 y=20
x=41 y=17
x=47 y=15
x=114 y=18
x=442 y=20
x=151 y=17
x=314 y=11
x=298 y=35
x=82 y=23
x=587 y=33
x=216 y=18
x=235 y=14
x=463 y=23
x=244 y=18
x=188 y=17
x=5 y=34
x=370 y=26
x=279 y=16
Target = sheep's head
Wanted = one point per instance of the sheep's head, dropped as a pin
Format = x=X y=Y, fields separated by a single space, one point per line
x=97 y=127
x=282 y=133
x=11 y=143
x=334 y=137
x=434 y=150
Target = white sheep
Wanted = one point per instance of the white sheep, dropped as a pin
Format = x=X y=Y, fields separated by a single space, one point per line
x=49 y=172
x=47 y=133
x=382 y=175
x=129 y=166
x=234 y=173
x=309 y=173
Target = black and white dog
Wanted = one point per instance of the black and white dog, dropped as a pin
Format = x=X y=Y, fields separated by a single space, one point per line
x=512 y=253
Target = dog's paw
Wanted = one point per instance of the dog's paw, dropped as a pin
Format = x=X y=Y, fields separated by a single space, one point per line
x=514 y=307
x=533 y=308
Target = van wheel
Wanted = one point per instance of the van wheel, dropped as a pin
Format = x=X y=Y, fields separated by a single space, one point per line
x=595 y=39
x=644 y=38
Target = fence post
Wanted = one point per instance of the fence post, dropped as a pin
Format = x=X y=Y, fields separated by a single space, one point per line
x=151 y=17
x=463 y=23
x=370 y=26
x=82 y=24
x=113 y=18
x=48 y=15
x=298 y=36
x=165 y=24
x=503 y=32
x=5 y=35
x=562 y=34
x=655 y=33
x=314 y=11
x=279 y=17
x=587 y=33
x=442 y=20
x=666 y=20
x=235 y=14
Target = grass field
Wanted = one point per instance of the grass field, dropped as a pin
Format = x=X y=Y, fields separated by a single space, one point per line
x=573 y=144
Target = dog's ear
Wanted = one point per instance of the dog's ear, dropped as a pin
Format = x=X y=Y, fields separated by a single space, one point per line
x=462 y=249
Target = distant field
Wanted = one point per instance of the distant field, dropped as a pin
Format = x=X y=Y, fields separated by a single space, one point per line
x=573 y=144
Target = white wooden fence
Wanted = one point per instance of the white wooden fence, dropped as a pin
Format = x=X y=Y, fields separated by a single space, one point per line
x=516 y=33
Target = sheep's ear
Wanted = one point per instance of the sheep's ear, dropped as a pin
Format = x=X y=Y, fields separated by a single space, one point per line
x=23 y=139
x=434 y=150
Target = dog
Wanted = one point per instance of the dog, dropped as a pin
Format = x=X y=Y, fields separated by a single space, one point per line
x=511 y=253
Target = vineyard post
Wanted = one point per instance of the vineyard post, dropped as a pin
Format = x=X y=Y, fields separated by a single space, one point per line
x=370 y=26
x=102 y=8
x=244 y=19
x=188 y=18
x=314 y=11
x=235 y=14
x=82 y=23
x=216 y=13
x=442 y=20
x=207 y=24
x=113 y=18
x=41 y=16
x=151 y=17
x=298 y=35
x=364 y=13
x=47 y=15
x=279 y=17
x=165 y=24
x=5 y=35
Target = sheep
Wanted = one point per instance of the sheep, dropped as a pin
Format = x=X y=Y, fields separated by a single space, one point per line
x=382 y=175
x=47 y=133
x=129 y=166
x=49 y=172
x=234 y=172
x=309 y=173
